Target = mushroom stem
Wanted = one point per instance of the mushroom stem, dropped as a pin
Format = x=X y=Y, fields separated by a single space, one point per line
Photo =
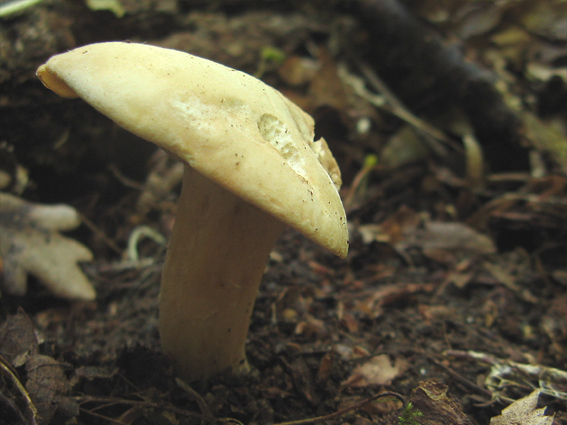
x=215 y=261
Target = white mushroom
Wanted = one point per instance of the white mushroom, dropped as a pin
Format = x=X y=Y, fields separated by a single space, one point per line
x=252 y=168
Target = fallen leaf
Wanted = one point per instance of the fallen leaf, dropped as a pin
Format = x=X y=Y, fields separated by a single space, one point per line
x=31 y=243
x=303 y=380
x=165 y=174
x=555 y=325
x=523 y=412
x=436 y=405
x=406 y=229
x=48 y=387
x=506 y=374
x=504 y=276
x=373 y=303
x=18 y=339
x=378 y=371
x=450 y=237
x=298 y=70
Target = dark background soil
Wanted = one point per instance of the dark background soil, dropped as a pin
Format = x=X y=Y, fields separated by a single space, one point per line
x=406 y=309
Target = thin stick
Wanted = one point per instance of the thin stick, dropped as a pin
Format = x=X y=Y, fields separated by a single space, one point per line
x=396 y=107
x=346 y=410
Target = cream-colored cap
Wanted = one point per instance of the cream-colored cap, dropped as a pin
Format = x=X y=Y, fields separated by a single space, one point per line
x=228 y=125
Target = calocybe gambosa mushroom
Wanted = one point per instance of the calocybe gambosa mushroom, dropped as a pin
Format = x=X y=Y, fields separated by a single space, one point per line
x=251 y=168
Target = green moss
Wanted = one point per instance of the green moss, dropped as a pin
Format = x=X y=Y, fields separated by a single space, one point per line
x=409 y=415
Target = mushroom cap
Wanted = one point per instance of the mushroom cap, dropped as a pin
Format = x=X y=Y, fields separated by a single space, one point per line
x=229 y=126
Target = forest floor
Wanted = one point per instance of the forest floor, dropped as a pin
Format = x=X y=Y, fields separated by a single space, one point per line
x=448 y=124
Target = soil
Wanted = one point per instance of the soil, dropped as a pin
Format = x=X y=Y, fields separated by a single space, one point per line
x=453 y=296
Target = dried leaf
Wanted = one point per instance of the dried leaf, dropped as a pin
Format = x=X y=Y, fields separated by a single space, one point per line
x=480 y=20
x=450 y=237
x=303 y=381
x=555 y=325
x=406 y=229
x=523 y=412
x=387 y=294
x=165 y=174
x=404 y=147
x=506 y=277
x=31 y=243
x=506 y=374
x=436 y=405
x=547 y=19
x=297 y=70
x=547 y=138
x=18 y=339
x=48 y=387
x=378 y=371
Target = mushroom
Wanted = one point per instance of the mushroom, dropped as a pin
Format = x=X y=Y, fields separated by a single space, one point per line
x=251 y=169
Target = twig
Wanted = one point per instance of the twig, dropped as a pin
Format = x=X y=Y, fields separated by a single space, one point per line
x=11 y=374
x=432 y=135
x=106 y=418
x=360 y=180
x=470 y=385
x=197 y=397
x=346 y=410
x=126 y=181
x=143 y=404
x=95 y=229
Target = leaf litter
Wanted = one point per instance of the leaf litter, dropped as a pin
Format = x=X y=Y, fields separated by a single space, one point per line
x=451 y=250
